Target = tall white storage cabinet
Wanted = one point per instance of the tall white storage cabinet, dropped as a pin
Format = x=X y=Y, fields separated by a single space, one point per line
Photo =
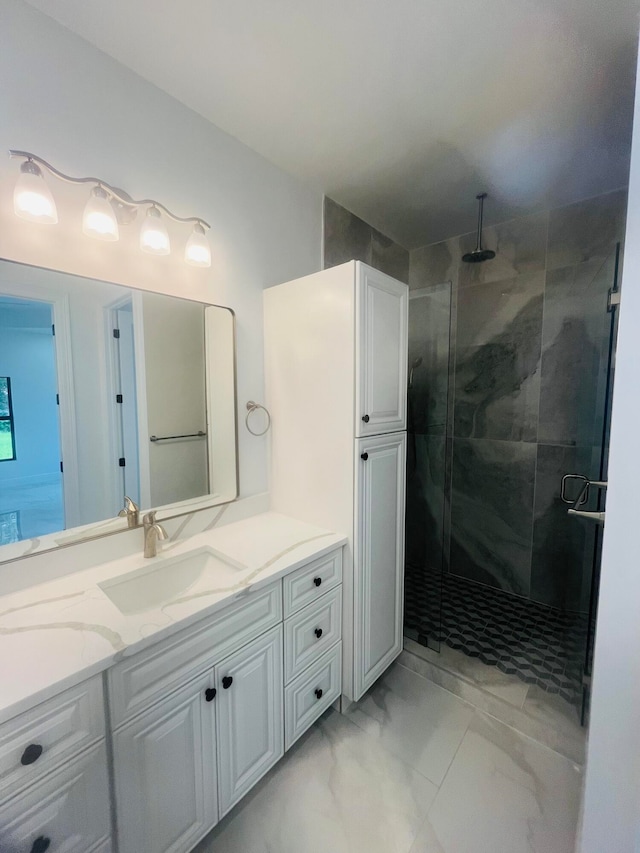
x=336 y=386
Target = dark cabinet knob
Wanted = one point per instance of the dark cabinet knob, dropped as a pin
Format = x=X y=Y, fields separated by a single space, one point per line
x=318 y=632
x=40 y=844
x=317 y=581
x=32 y=753
x=318 y=693
x=227 y=681
x=364 y=456
x=365 y=418
x=210 y=694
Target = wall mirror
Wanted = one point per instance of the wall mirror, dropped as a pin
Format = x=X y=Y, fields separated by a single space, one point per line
x=107 y=391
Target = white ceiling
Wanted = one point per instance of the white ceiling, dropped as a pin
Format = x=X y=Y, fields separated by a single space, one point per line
x=401 y=110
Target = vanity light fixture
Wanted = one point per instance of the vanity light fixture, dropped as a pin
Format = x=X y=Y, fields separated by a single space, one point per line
x=154 y=237
x=197 y=251
x=99 y=218
x=32 y=198
x=107 y=208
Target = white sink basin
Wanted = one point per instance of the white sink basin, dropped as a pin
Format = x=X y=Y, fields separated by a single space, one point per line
x=166 y=580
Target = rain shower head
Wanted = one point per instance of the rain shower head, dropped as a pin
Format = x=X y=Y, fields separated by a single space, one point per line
x=479 y=254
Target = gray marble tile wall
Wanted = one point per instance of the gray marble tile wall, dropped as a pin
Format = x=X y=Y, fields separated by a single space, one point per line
x=348 y=238
x=522 y=386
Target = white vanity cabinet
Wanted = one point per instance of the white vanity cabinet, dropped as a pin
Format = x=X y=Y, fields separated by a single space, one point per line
x=165 y=772
x=336 y=349
x=54 y=789
x=378 y=544
x=382 y=306
x=199 y=718
x=250 y=735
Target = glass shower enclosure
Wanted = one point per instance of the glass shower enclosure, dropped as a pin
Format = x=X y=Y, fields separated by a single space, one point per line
x=496 y=567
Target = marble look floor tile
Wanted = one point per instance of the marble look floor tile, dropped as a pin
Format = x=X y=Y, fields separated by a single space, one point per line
x=504 y=793
x=489 y=678
x=415 y=719
x=337 y=791
x=567 y=740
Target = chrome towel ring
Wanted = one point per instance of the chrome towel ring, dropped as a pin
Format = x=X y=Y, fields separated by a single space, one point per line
x=253 y=407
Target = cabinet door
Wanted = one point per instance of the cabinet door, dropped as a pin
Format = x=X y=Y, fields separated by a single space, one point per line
x=382 y=306
x=68 y=811
x=250 y=716
x=165 y=772
x=378 y=556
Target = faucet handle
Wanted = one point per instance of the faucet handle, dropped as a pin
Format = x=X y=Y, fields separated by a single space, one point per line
x=149 y=518
x=131 y=512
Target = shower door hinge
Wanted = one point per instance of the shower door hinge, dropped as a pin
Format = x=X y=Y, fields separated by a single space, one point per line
x=61 y=467
x=53 y=329
x=116 y=333
x=121 y=462
x=118 y=398
x=613 y=299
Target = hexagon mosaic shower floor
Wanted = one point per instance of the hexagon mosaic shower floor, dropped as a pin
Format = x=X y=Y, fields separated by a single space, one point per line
x=537 y=644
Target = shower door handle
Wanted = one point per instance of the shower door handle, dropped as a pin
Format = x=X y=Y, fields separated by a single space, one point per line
x=598 y=517
x=583 y=497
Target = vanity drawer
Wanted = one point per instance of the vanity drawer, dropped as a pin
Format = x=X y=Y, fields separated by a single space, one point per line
x=50 y=734
x=311 y=632
x=70 y=809
x=309 y=583
x=306 y=698
x=138 y=682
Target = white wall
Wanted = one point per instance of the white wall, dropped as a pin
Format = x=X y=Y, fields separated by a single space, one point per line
x=71 y=104
x=611 y=820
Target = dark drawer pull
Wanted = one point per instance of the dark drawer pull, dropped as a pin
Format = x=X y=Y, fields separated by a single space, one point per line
x=40 y=844
x=32 y=753
x=364 y=456
x=365 y=418
x=318 y=632
x=318 y=693
x=210 y=694
x=317 y=581
x=227 y=681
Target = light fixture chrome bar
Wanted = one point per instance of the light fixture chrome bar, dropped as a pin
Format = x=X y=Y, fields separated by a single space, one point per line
x=117 y=194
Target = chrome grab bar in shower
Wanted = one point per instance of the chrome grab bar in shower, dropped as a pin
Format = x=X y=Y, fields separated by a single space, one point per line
x=583 y=497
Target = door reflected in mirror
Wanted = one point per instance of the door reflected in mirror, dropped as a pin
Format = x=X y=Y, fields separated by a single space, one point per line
x=107 y=392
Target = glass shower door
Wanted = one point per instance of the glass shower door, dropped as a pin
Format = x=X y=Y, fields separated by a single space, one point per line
x=428 y=432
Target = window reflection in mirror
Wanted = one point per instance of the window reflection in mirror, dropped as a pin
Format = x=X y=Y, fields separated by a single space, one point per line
x=105 y=392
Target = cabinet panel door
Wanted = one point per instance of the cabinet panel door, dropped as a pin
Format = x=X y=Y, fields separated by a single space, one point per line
x=165 y=773
x=378 y=556
x=68 y=811
x=250 y=716
x=382 y=306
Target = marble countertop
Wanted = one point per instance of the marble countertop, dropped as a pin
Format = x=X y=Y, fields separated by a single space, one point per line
x=59 y=633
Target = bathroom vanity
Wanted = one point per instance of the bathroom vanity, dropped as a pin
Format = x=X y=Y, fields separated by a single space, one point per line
x=141 y=699
x=178 y=709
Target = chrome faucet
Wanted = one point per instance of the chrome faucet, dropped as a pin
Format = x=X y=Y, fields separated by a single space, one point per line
x=153 y=532
x=131 y=512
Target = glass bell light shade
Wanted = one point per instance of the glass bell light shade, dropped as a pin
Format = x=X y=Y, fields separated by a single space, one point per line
x=197 y=251
x=153 y=234
x=99 y=219
x=32 y=198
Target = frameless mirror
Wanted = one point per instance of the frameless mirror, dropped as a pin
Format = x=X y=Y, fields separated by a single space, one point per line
x=107 y=392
